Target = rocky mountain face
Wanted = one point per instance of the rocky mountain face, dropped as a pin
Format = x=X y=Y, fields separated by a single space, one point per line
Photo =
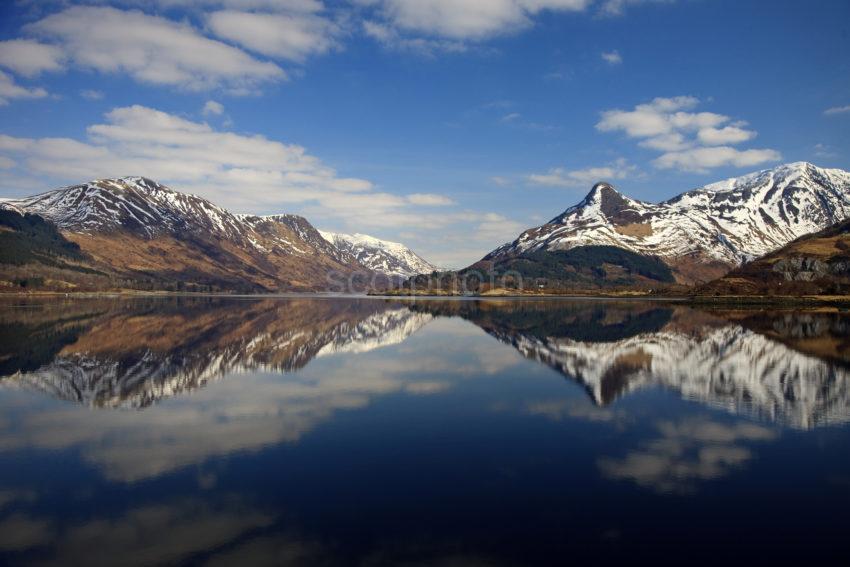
x=816 y=264
x=153 y=237
x=382 y=256
x=703 y=233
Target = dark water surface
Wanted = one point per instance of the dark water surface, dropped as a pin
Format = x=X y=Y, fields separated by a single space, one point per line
x=313 y=431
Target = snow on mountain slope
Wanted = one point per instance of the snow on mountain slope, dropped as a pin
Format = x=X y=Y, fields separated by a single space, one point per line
x=390 y=258
x=135 y=204
x=729 y=222
x=148 y=210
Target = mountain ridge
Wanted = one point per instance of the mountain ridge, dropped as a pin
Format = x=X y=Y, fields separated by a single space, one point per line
x=150 y=236
x=704 y=232
x=384 y=256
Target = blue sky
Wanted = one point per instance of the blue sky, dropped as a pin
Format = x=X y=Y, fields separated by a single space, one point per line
x=450 y=125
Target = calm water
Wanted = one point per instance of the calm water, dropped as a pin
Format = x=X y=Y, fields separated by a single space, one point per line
x=361 y=431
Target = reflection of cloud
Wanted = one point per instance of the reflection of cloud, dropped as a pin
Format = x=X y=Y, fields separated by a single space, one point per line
x=425 y=388
x=19 y=532
x=689 y=451
x=557 y=410
x=242 y=413
x=8 y=497
x=151 y=535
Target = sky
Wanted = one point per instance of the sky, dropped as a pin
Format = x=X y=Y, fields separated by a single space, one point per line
x=449 y=125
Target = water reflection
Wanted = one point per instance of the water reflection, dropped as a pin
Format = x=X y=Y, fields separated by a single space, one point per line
x=791 y=367
x=216 y=431
x=132 y=354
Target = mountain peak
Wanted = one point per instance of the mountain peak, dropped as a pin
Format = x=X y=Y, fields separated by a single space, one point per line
x=715 y=227
x=615 y=206
x=600 y=191
x=383 y=256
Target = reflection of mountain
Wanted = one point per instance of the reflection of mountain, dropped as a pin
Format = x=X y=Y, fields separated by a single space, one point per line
x=134 y=353
x=785 y=368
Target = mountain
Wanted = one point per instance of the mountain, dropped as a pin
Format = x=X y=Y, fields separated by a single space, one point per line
x=145 y=235
x=703 y=233
x=815 y=264
x=382 y=256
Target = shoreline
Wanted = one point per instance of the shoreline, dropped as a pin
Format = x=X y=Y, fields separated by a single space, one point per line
x=702 y=301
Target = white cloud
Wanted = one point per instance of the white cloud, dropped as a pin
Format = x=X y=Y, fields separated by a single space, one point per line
x=29 y=58
x=212 y=107
x=90 y=94
x=465 y=20
x=270 y=5
x=152 y=49
x=646 y=120
x=246 y=173
x=9 y=89
x=692 y=141
x=293 y=36
x=837 y=110
x=559 y=177
x=429 y=200
x=727 y=135
x=391 y=39
x=612 y=57
x=702 y=159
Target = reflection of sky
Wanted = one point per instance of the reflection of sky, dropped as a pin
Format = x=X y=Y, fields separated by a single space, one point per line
x=247 y=412
x=448 y=419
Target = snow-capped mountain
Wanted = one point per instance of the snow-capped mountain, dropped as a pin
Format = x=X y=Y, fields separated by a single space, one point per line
x=134 y=204
x=724 y=224
x=135 y=228
x=382 y=256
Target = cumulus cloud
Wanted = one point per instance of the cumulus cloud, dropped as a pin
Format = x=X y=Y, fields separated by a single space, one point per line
x=9 y=89
x=465 y=20
x=703 y=159
x=30 y=58
x=293 y=36
x=226 y=167
x=246 y=173
x=152 y=49
x=726 y=135
x=559 y=177
x=691 y=141
x=612 y=57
